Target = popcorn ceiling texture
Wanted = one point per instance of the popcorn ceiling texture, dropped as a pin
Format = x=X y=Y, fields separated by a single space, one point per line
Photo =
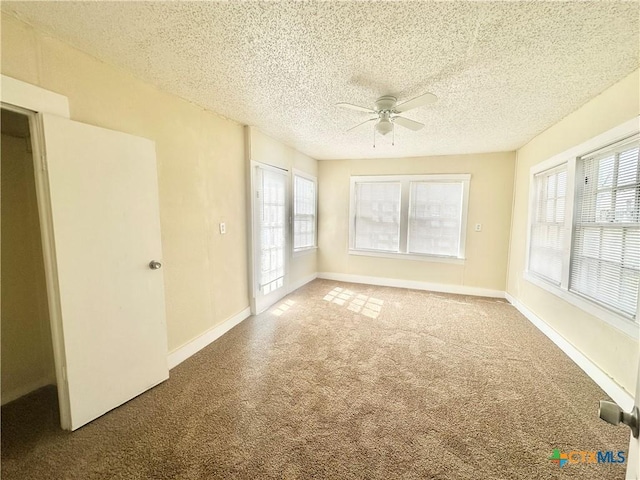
x=503 y=71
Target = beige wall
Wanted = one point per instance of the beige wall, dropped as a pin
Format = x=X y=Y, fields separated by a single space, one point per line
x=27 y=355
x=490 y=199
x=201 y=172
x=265 y=149
x=614 y=352
x=201 y=169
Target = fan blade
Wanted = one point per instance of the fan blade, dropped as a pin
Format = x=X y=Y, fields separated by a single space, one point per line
x=360 y=124
x=355 y=107
x=424 y=99
x=406 y=123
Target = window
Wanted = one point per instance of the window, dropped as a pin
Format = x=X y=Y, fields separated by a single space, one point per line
x=304 y=212
x=605 y=258
x=435 y=218
x=377 y=216
x=546 y=247
x=409 y=215
x=271 y=204
x=584 y=228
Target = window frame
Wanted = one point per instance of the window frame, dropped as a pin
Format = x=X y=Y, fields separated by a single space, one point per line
x=297 y=251
x=405 y=181
x=572 y=158
x=533 y=207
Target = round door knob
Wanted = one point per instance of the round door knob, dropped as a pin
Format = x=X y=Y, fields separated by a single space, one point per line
x=153 y=265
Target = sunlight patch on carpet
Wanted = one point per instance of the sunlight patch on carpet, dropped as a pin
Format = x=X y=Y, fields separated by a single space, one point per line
x=357 y=303
x=282 y=308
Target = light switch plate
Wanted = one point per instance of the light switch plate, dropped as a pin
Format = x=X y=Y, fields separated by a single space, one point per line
x=223 y=228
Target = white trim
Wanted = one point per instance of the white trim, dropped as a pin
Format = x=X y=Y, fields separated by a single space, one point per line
x=412 y=284
x=302 y=173
x=11 y=395
x=425 y=177
x=626 y=326
x=613 y=135
x=532 y=207
x=180 y=354
x=192 y=347
x=34 y=102
x=36 y=99
x=36 y=125
x=43 y=197
x=604 y=381
x=408 y=256
x=571 y=158
x=286 y=289
x=301 y=252
x=302 y=282
x=464 y=217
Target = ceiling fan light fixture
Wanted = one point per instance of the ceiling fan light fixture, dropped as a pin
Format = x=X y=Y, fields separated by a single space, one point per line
x=384 y=126
x=387 y=110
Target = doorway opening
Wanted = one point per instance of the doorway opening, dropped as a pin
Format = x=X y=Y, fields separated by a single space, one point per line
x=26 y=341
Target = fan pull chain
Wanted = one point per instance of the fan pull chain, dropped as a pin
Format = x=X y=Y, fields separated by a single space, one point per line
x=374 y=136
x=393 y=138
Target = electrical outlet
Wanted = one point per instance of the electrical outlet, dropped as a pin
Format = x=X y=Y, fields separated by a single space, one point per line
x=478 y=227
x=223 y=228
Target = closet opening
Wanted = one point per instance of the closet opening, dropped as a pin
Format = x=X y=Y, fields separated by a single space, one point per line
x=26 y=348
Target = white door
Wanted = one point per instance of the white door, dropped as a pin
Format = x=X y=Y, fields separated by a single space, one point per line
x=271 y=228
x=110 y=332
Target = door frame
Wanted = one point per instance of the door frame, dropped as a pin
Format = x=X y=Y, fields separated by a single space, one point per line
x=30 y=100
x=255 y=296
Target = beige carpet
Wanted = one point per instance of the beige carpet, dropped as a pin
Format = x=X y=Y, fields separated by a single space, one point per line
x=341 y=381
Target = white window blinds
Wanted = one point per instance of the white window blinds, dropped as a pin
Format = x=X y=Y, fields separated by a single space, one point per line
x=304 y=213
x=435 y=215
x=605 y=262
x=547 y=225
x=377 y=216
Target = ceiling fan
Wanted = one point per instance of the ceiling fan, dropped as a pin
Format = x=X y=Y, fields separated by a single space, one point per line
x=387 y=110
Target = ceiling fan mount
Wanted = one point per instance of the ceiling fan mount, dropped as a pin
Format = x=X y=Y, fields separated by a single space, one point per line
x=386 y=102
x=387 y=113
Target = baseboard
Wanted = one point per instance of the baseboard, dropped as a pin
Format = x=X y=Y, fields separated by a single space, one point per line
x=14 y=394
x=301 y=283
x=180 y=354
x=413 y=284
x=604 y=381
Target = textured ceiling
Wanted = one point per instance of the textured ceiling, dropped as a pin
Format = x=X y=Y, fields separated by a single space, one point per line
x=503 y=71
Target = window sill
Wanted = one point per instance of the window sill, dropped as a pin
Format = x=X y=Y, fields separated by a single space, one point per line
x=301 y=252
x=619 y=322
x=408 y=256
